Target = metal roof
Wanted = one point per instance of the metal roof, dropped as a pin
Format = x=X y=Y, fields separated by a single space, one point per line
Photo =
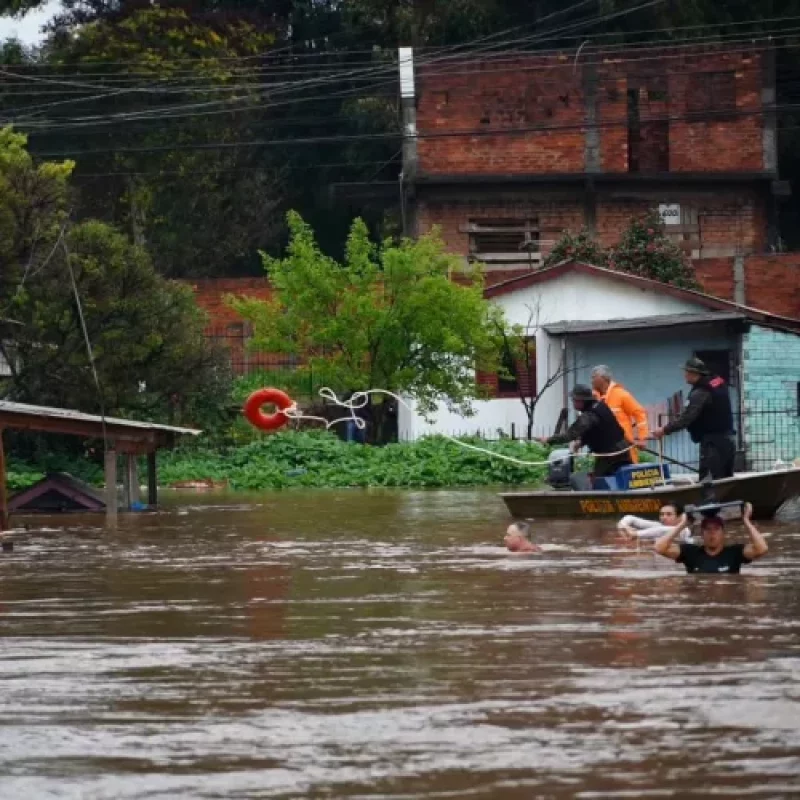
x=67 y=415
x=577 y=327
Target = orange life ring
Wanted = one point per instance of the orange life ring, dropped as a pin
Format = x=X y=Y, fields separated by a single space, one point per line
x=267 y=422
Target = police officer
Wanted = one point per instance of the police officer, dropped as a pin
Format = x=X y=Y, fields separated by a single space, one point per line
x=596 y=428
x=709 y=419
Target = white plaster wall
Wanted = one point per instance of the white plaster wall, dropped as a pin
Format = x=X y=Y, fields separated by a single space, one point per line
x=570 y=297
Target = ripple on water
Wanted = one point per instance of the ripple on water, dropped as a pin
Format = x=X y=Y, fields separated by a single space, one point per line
x=383 y=644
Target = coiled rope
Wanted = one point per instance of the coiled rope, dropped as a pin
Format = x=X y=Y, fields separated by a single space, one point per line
x=360 y=400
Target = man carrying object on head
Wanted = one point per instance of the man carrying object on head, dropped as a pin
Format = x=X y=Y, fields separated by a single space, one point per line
x=713 y=556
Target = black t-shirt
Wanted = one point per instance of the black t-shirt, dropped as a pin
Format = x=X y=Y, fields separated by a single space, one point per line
x=728 y=561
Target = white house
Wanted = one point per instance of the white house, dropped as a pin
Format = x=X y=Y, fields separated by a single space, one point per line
x=582 y=315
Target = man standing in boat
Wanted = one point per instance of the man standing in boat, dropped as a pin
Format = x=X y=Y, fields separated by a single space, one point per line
x=709 y=419
x=626 y=408
x=596 y=428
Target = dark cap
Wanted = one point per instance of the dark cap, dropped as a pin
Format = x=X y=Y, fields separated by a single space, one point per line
x=581 y=392
x=697 y=366
x=712 y=522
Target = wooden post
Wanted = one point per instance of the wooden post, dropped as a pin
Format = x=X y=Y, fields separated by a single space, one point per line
x=132 y=471
x=111 y=484
x=4 y=519
x=152 y=480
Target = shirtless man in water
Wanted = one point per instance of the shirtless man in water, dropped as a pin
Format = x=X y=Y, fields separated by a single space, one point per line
x=517 y=539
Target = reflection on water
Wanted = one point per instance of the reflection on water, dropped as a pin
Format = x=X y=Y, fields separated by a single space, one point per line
x=381 y=644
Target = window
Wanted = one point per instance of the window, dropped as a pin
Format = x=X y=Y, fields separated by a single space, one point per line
x=504 y=241
x=710 y=94
x=508 y=378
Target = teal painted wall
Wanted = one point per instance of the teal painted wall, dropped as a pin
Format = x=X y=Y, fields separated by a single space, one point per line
x=771 y=374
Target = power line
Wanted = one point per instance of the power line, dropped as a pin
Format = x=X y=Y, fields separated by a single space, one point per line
x=708 y=115
x=159 y=114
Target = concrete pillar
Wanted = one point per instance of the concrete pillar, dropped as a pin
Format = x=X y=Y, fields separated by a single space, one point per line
x=152 y=480
x=4 y=516
x=111 y=485
x=132 y=475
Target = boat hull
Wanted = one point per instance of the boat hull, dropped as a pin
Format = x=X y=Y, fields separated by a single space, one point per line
x=767 y=491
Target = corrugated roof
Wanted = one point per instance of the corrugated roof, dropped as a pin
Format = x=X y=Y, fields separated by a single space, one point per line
x=576 y=327
x=68 y=415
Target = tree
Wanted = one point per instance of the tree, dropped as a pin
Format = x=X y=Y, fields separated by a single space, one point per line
x=33 y=209
x=645 y=250
x=388 y=317
x=146 y=332
x=642 y=250
x=581 y=246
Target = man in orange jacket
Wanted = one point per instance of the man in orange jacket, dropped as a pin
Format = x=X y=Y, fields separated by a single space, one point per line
x=626 y=408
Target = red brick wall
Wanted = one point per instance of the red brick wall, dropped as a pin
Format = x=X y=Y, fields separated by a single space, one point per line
x=528 y=113
x=716 y=276
x=502 y=94
x=730 y=219
x=719 y=144
x=773 y=283
x=554 y=216
x=226 y=327
x=211 y=293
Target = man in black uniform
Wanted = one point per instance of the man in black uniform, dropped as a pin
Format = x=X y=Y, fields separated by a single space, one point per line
x=596 y=428
x=709 y=419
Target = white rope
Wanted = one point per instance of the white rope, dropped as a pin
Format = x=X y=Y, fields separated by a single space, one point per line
x=360 y=400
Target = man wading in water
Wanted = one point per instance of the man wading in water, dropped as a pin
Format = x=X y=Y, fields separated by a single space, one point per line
x=713 y=556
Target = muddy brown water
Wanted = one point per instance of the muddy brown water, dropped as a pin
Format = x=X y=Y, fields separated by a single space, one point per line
x=381 y=644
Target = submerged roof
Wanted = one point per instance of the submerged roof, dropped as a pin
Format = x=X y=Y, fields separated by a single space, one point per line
x=576 y=327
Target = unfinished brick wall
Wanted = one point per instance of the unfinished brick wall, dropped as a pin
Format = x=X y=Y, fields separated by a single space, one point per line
x=731 y=220
x=507 y=95
x=773 y=283
x=452 y=213
x=696 y=112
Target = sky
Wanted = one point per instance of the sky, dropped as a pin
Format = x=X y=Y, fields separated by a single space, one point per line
x=28 y=27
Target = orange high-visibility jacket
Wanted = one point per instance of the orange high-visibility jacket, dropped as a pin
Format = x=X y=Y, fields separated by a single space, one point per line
x=628 y=411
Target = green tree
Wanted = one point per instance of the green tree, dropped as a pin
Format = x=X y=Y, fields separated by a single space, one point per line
x=645 y=250
x=33 y=210
x=581 y=246
x=389 y=316
x=146 y=332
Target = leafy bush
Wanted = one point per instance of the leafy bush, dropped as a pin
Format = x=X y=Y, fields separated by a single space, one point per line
x=319 y=459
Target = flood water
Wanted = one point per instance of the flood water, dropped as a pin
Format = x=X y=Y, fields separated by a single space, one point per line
x=381 y=644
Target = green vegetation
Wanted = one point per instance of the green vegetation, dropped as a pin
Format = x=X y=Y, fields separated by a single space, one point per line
x=643 y=250
x=321 y=460
x=387 y=316
x=147 y=333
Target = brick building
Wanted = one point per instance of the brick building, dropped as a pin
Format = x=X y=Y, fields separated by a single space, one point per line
x=504 y=153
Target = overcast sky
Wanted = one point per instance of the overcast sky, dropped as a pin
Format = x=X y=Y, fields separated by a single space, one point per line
x=28 y=29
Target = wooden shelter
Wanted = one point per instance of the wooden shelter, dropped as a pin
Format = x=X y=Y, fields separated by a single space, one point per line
x=122 y=436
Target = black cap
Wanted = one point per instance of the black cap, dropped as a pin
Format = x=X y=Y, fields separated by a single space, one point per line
x=697 y=366
x=581 y=392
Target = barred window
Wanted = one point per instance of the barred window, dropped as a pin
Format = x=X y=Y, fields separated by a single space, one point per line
x=504 y=240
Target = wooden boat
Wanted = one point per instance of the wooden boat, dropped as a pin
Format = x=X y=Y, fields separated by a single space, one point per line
x=767 y=491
